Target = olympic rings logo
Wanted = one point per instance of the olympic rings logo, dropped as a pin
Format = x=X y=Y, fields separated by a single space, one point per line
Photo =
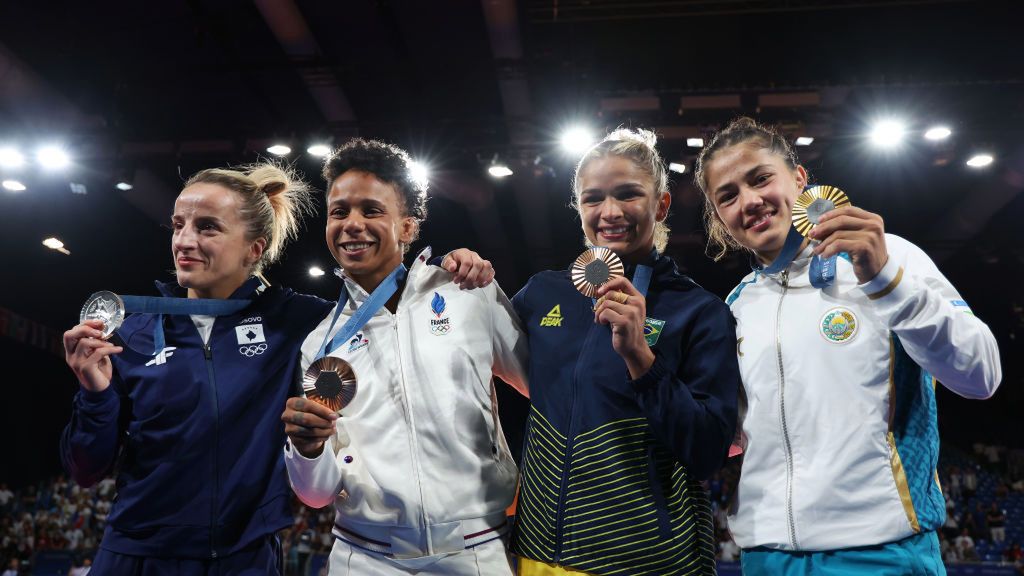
x=252 y=350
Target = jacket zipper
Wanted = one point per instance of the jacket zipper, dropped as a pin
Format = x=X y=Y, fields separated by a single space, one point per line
x=782 y=412
x=569 y=441
x=208 y=353
x=412 y=439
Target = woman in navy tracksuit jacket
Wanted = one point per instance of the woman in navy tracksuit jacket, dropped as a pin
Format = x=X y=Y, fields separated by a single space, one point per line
x=634 y=403
x=193 y=433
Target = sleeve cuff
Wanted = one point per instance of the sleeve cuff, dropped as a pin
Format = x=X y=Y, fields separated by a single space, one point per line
x=887 y=279
x=290 y=453
x=655 y=374
x=90 y=399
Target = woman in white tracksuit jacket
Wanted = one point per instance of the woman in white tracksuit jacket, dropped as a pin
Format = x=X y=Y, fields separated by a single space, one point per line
x=416 y=464
x=839 y=425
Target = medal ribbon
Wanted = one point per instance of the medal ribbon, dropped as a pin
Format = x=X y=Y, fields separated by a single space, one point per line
x=641 y=280
x=375 y=302
x=822 y=271
x=178 y=306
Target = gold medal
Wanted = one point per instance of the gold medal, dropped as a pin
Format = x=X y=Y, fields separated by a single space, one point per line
x=813 y=203
x=593 y=268
x=330 y=381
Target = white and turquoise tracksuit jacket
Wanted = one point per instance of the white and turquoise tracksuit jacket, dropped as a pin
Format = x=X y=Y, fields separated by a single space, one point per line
x=839 y=423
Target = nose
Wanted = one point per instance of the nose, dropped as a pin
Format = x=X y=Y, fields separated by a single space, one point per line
x=354 y=225
x=610 y=209
x=750 y=200
x=184 y=238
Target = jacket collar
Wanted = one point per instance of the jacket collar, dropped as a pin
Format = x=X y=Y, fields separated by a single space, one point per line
x=248 y=289
x=357 y=294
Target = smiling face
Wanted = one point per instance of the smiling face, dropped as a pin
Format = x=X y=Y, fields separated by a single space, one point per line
x=212 y=255
x=619 y=206
x=367 y=227
x=753 y=190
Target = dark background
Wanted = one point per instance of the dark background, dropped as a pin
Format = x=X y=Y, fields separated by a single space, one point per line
x=150 y=92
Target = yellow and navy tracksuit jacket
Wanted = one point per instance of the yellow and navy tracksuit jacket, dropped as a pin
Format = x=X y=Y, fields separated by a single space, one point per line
x=612 y=467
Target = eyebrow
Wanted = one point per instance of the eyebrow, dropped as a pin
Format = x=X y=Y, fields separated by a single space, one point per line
x=746 y=176
x=621 y=187
x=365 y=201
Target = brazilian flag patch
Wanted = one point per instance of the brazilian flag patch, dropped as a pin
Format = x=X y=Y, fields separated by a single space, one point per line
x=652 y=330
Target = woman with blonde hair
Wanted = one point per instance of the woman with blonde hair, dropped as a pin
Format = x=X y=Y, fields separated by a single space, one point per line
x=633 y=396
x=186 y=411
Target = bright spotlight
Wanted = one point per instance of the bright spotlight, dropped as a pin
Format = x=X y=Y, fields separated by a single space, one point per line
x=419 y=173
x=316 y=271
x=54 y=244
x=319 y=150
x=577 y=140
x=123 y=186
x=53 y=157
x=937 y=133
x=888 y=133
x=804 y=141
x=677 y=168
x=980 y=160
x=279 y=150
x=695 y=142
x=13 y=186
x=499 y=170
x=11 y=158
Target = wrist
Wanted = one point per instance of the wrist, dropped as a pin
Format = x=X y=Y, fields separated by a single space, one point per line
x=640 y=362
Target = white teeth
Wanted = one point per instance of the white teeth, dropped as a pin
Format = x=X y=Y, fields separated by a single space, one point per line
x=355 y=245
x=615 y=230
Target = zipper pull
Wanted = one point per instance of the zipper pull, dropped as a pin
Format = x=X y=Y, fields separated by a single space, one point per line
x=785 y=278
x=207 y=352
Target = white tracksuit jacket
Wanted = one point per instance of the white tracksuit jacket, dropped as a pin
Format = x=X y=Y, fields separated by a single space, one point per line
x=422 y=467
x=840 y=432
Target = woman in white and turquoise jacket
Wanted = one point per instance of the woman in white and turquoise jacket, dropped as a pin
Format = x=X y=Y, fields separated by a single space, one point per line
x=838 y=426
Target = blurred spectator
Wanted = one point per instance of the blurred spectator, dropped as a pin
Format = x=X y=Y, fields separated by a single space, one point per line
x=970 y=482
x=996 y=519
x=81 y=568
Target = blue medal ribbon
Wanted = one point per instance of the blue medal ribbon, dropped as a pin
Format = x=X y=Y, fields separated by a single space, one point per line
x=789 y=251
x=822 y=271
x=641 y=280
x=178 y=306
x=362 y=315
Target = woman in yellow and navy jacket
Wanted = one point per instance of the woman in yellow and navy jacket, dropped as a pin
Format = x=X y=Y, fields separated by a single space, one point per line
x=633 y=396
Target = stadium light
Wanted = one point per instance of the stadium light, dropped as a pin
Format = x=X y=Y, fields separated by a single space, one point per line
x=13 y=186
x=980 y=160
x=53 y=157
x=677 y=167
x=319 y=150
x=576 y=140
x=55 y=244
x=11 y=158
x=804 y=141
x=887 y=133
x=316 y=271
x=279 y=150
x=937 y=133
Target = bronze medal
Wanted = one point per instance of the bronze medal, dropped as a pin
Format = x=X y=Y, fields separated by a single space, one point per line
x=593 y=268
x=330 y=381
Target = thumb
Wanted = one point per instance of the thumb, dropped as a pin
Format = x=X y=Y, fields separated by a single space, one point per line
x=449 y=263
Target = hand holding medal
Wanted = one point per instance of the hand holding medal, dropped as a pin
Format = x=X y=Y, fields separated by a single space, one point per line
x=598 y=273
x=837 y=226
